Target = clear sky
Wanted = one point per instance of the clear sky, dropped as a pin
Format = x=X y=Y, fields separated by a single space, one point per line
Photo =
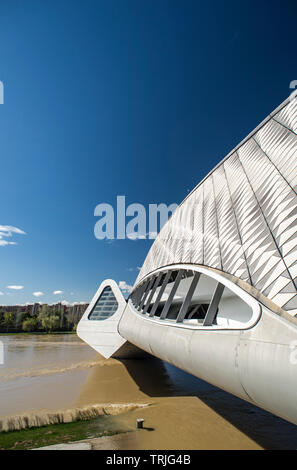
x=121 y=97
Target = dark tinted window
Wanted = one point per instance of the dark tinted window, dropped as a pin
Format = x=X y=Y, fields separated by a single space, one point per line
x=105 y=306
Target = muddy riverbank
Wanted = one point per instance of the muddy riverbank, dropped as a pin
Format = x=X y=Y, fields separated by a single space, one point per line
x=52 y=374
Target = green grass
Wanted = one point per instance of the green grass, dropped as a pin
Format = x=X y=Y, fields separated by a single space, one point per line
x=39 y=333
x=60 y=433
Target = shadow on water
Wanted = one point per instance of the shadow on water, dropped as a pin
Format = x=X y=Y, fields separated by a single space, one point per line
x=151 y=376
x=156 y=378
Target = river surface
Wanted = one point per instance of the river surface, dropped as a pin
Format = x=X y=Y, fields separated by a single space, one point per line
x=46 y=373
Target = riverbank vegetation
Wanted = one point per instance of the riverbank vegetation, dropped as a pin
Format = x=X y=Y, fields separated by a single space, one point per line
x=61 y=433
x=46 y=320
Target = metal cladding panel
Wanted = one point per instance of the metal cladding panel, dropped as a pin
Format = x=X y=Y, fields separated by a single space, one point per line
x=198 y=226
x=242 y=218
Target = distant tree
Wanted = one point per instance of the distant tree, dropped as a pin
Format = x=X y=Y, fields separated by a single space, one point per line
x=50 y=323
x=30 y=324
x=43 y=316
x=8 y=320
x=19 y=319
x=57 y=314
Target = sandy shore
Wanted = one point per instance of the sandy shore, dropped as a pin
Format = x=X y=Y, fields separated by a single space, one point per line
x=46 y=377
x=205 y=418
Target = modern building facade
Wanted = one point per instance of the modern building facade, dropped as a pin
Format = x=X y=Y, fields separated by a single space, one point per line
x=216 y=295
x=241 y=219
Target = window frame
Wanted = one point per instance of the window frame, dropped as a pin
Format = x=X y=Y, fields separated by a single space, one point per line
x=102 y=296
x=211 y=311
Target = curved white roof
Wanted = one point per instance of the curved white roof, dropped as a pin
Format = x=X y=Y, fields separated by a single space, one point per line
x=241 y=219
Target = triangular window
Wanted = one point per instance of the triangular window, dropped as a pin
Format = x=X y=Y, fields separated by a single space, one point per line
x=105 y=306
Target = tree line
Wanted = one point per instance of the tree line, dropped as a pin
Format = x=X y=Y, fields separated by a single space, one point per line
x=46 y=320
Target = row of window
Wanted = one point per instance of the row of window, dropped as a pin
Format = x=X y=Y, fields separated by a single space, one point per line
x=181 y=296
x=190 y=297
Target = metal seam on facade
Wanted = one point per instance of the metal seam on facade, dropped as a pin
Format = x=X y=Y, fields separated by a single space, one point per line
x=242 y=217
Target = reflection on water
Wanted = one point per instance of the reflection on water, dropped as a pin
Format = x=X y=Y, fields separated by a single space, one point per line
x=53 y=372
x=40 y=350
x=42 y=372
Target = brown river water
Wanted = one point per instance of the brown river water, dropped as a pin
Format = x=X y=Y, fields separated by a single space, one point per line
x=58 y=375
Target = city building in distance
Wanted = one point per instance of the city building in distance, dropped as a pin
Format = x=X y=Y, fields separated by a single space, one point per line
x=12 y=317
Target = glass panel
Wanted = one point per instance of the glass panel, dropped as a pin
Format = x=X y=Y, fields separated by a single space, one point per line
x=105 y=306
x=194 y=298
x=233 y=312
x=152 y=297
x=178 y=298
x=148 y=287
x=200 y=300
x=212 y=311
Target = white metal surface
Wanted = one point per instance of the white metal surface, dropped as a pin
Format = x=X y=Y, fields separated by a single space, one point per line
x=254 y=364
x=103 y=335
x=222 y=323
x=241 y=219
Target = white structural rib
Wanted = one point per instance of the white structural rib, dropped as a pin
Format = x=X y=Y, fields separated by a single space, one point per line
x=242 y=218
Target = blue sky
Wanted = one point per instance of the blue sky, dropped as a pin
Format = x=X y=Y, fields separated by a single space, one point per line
x=110 y=97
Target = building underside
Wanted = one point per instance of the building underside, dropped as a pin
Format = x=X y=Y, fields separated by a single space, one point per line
x=216 y=295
